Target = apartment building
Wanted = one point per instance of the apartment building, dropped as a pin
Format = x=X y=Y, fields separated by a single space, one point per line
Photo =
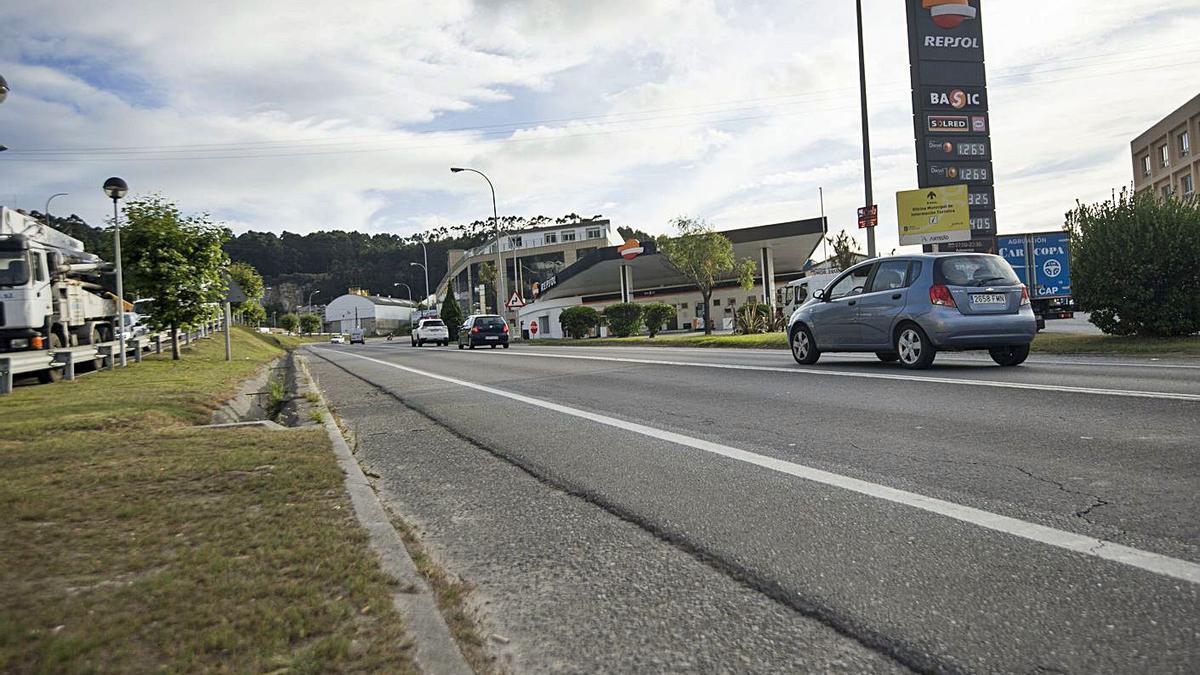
x=1164 y=156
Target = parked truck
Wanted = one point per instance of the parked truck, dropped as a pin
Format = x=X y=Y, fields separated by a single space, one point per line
x=1042 y=261
x=50 y=291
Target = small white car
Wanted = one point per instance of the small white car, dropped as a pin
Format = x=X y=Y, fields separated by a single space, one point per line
x=337 y=340
x=430 y=330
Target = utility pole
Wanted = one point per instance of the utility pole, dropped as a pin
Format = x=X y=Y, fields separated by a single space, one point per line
x=866 y=134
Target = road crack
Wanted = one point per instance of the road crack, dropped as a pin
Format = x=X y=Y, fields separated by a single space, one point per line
x=1097 y=500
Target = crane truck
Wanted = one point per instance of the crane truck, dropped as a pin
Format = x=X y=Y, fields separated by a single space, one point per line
x=50 y=291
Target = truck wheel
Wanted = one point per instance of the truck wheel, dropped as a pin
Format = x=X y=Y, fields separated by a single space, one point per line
x=1013 y=355
x=52 y=374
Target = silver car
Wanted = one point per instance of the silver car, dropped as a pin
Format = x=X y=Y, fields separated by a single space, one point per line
x=907 y=308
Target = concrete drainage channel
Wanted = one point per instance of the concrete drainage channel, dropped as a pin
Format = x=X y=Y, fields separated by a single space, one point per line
x=282 y=396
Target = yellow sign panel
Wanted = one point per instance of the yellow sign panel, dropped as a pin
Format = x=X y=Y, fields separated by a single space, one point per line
x=933 y=215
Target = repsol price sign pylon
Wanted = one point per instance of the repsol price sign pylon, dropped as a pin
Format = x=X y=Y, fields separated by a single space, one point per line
x=950 y=106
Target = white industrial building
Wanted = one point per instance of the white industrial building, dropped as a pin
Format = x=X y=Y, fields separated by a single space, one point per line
x=374 y=314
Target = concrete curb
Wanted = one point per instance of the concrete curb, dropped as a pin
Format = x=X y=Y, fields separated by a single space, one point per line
x=436 y=651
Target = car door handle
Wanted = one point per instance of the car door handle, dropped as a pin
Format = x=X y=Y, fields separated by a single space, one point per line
x=852 y=303
x=895 y=296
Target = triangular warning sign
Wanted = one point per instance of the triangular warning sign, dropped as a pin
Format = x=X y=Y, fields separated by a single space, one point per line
x=515 y=301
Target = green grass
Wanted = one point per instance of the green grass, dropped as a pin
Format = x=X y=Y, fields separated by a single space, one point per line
x=132 y=541
x=1045 y=343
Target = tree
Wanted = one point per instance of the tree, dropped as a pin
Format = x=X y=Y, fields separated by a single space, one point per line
x=656 y=315
x=289 y=322
x=845 y=250
x=704 y=256
x=628 y=232
x=249 y=280
x=253 y=313
x=310 y=323
x=451 y=313
x=578 y=322
x=175 y=259
x=1134 y=264
x=624 y=318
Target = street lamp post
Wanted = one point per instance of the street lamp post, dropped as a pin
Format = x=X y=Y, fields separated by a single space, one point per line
x=309 y=303
x=426 y=278
x=56 y=194
x=496 y=220
x=401 y=283
x=116 y=188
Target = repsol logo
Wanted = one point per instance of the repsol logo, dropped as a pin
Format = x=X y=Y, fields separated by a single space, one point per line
x=948 y=42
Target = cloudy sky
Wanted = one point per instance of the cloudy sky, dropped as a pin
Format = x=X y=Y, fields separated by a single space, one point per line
x=299 y=116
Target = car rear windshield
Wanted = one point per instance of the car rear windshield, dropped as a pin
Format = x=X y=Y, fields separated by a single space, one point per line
x=974 y=270
x=433 y=322
x=490 y=322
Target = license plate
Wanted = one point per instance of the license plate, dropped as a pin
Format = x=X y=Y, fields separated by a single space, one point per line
x=989 y=299
x=493 y=337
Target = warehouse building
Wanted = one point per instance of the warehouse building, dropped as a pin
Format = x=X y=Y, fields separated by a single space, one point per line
x=375 y=315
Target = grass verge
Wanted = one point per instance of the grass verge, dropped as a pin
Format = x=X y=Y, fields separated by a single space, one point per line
x=132 y=541
x=1045 y=343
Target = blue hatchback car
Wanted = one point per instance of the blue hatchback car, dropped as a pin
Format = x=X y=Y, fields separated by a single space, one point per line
x=906 y=308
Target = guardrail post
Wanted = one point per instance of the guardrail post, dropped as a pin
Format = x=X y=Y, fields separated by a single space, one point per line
x=187 y=338
x=67 y=359
x=5 y=375
x=137 y=349
x=106 y=352
x=158 y=343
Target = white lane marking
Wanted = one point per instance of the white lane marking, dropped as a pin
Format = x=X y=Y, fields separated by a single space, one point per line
x=1090 y=546
x=1063 y=389
x=850 y=356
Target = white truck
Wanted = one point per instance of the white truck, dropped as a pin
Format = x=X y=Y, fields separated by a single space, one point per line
x=50 y=292
x=799 y=291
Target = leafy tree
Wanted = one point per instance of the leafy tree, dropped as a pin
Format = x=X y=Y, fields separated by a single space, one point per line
x=253 y=313
x=704 y=256
x=578 y=322
x=175 y=259
x=451 y=313
x=1134 y=264
x=289 y=322
x=624 y=318
x=656 y=315
x=845 y=250
x=627 y=232
x=249 y=280
x=310 y=323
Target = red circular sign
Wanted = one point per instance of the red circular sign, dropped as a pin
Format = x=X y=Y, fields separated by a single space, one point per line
x=533 y=327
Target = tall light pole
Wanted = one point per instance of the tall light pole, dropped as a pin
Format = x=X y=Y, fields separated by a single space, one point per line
x=866 y=134
x=401 y=283
x=47 y=211
x=309 y=304
x=426 y=278
x=496 y=220
x=116 y=188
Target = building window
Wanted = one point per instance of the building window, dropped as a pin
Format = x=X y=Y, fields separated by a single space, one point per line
x=551 y=238
x=515 y=242
x=1164 y=155
x=1146 y=165
x=594 y=233
x=580 y=252
x=1185 y=144
x=1185 y=185
x=716 y=302
x=568 y=235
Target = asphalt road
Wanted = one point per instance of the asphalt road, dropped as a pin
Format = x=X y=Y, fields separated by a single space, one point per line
x=692 y=509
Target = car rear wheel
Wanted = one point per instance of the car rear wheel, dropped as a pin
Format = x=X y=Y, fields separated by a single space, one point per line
x=506 y=345
x=804 y=348
x=914 y=348
x=1013 y=355
x=887 y=357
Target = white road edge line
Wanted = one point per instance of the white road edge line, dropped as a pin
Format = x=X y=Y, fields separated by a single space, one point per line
x=874 y=376
x=1077 y=543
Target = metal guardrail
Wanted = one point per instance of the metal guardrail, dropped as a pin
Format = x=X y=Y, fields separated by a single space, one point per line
x=108 y=353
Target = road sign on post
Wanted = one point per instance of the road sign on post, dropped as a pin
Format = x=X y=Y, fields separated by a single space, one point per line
x=868 y=216
x=533 y=327
x=933 y=215
x=515 y=301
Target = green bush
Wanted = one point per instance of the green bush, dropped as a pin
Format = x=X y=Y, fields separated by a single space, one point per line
x=1134 y=264
x=310 y=323
x=451 y=314
x=578 y=322
x=289 y=322
x=656 y=315
x=624 y=318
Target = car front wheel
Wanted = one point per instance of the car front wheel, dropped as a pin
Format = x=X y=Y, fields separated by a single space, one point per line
x=1013 y=355
x=804 y=348
x=914 y=348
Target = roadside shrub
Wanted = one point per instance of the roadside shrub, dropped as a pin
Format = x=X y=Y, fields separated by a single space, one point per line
x=624 y=318
x=578 y=322
x=656 y=315
x=450 y=313
x=310 y=323
x=1135 y=264
x=751 y=318
x=289 y=322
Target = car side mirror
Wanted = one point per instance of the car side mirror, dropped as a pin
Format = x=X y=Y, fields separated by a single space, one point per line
x=819 y=294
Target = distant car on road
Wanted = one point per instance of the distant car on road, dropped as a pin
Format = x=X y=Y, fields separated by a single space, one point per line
x=483 y=329
x=907 y=308
x=357 y=336
x=430 y=330
x=337 y=340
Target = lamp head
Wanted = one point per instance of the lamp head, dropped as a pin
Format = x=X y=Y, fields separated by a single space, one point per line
x=3 y=89
x=456 y=169
x=115 y=188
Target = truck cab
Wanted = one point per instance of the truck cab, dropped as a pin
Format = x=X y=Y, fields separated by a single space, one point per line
x=26 y=299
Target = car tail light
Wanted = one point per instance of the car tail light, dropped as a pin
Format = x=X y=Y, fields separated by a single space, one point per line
x=1024 y=295
x=475 y=329
x=940 y=295
x=505 y=328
